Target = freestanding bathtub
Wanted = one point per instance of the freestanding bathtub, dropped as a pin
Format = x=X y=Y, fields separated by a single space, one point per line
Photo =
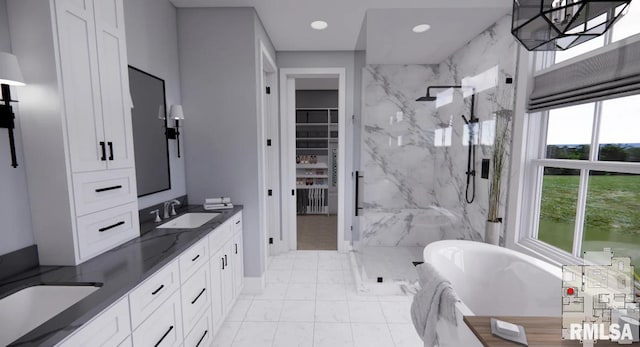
x=492 y=281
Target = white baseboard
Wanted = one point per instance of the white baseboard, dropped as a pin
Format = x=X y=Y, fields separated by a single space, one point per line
x=253 y=285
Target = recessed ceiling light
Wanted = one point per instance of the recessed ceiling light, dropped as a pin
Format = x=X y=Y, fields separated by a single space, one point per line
x=319 y=25
x=421 y=28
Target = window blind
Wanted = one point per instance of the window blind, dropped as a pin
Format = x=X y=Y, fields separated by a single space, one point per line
x=607 y=75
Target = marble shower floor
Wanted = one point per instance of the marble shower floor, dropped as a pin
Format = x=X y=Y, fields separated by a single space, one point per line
x=311 y=300
x=391 y=263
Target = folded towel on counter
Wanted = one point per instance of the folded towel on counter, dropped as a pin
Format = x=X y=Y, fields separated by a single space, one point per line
x=218 y=206
x=435 y=299
x=223 y=200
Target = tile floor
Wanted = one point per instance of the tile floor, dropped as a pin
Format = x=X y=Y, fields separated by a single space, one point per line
x=310 y=300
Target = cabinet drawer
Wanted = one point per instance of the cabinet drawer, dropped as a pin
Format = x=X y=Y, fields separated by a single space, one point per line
x=97 y=191
x=163 y=328
x=220 y=235
x=202 y=333
x=196 y=297
x=108 y=328
x=153 y=292
x=101 y=231
x=193 y=258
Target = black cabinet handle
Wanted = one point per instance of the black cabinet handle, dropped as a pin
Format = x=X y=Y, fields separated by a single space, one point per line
x=199 y=295
x=238 y=222
x=196 y=258
x=104 y=151
x=236 y=248
x=157 y=290
x=111 y=226
x=100 y=190
x=202 y=338
x=222 y=263
x=225 y=261
x=110 y=150
x=163 y=336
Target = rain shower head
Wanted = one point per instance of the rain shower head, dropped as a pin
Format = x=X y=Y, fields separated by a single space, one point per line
x=427 y=98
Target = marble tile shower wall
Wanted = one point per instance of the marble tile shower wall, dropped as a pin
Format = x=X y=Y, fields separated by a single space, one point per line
x=414 y=191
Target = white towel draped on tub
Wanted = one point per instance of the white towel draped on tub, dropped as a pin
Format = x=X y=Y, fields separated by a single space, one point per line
x=436 y=299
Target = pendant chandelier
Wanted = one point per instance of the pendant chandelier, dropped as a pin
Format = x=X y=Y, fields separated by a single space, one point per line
x=557 y=25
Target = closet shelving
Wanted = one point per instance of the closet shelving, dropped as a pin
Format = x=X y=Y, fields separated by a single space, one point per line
x=316 y=130
x=318 y=172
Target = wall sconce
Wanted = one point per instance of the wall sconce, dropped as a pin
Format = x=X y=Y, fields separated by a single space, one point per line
x=175 y=113
x=10 y=75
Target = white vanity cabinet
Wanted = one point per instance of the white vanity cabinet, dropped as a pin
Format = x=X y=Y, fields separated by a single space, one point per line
x=110 y=328
x=76 y=125
x=196 y=298
x=217 y=307
x=163 y=327
x=202 y=333
x=151 y=293
x=182 y=304
x=95 y=83
x=226 y=267
x=238 y=261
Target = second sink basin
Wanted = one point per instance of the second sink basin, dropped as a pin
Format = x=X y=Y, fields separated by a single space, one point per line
x=189 y=220
x=26 y=309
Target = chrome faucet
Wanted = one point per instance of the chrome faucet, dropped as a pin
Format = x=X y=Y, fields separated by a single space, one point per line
x=157 y=212
x=172 y=204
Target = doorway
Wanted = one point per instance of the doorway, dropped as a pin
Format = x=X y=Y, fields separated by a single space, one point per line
x=269 y=155
x=313 y=158
x=316 y=125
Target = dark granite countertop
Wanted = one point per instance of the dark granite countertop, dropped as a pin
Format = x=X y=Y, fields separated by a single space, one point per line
x=117 y=271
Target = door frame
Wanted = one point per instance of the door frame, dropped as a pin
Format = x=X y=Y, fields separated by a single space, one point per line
x=268 y=112
x=288 y=144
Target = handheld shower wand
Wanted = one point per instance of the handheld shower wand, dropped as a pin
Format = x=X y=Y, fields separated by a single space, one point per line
x=471 y=159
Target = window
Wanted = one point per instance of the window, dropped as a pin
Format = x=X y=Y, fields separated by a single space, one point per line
x=625 y=27
x=587 y=174
x=580 y=49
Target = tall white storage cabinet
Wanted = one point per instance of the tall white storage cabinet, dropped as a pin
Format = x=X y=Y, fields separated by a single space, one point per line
x=76 y=125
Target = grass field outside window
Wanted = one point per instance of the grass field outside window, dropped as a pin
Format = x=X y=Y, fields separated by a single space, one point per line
x=612 y=216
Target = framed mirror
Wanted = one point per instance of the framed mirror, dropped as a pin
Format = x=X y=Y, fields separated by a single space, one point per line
x=150 y=141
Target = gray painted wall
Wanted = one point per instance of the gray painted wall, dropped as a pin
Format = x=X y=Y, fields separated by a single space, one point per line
x=15 y=214
x=219 y=74
x=152 y=46
x=5 y=40
x=332 y=59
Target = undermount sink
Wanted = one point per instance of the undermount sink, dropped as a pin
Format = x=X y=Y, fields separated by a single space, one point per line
x=189 y=220
x=26 y=309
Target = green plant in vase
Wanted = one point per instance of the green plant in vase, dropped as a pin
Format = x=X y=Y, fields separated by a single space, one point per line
x=498 y=160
